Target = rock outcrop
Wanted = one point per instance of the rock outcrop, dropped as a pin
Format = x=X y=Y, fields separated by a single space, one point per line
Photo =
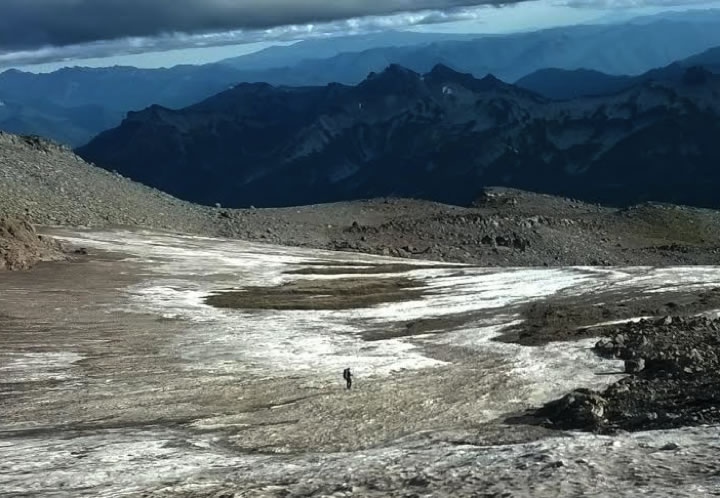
x=21 y=247
x=674 y=379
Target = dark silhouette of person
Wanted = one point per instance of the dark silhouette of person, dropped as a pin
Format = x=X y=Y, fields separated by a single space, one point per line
x=348 y=378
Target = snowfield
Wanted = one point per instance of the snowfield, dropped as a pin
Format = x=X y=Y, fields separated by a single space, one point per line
x=118 y=379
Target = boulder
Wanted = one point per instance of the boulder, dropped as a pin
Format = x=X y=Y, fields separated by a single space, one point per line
x=581 y=409
x=634 y=365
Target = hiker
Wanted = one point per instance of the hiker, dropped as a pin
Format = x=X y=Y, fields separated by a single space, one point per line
x=348 y=377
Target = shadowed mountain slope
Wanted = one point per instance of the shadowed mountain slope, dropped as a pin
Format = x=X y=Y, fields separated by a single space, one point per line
x=440 y=136
x=562 y=84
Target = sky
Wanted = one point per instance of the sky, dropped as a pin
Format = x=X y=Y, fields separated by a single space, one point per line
x=43 y=35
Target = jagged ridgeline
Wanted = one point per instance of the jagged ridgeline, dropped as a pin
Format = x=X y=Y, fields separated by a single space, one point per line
x=440 y=136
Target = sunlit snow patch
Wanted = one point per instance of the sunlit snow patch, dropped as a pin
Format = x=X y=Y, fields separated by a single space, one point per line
x=187 y=269
x=35 y=367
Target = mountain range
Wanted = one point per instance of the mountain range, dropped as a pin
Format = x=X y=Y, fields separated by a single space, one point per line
x=440 y=136
x=563 y=84
x=75 y=104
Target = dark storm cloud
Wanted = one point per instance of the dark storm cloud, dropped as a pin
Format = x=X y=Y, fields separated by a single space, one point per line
x=294 y=32
x=29 y=24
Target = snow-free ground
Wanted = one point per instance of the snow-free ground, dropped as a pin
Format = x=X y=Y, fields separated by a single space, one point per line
x=116 y=378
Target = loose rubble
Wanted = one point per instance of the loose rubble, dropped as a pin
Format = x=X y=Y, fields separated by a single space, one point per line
x=673 y=367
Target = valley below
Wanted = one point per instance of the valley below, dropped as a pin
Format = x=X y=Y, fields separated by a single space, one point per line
x=177 y=365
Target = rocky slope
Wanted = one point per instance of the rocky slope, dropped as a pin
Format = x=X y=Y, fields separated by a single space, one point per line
x=441 y=136
x=21 y=247
x=673 y=377
x=49 y=185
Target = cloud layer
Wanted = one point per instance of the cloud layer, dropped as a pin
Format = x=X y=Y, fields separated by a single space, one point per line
x=630 y=4
x=31 y=24
x=164 y=42
x=37 y=31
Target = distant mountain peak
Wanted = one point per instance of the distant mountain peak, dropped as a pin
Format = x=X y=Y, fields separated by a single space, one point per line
x=394 y=71
x=442 y=70
x=442 y=75
x=394 y=79
x=491 y=78
x=490 y=81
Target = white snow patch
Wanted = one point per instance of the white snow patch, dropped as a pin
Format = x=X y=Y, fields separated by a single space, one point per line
x=714 y=314
x=34 y=367
x=114 y=462
x=616 y=322
x=131 y=462
x=187 y=269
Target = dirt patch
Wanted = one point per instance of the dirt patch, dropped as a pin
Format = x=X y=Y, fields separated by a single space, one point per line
x=339 y=294
x=439 y=325
x=345 y=269
x=573 y=318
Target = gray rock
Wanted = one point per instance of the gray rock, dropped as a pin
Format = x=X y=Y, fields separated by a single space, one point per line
x=581 y=409
x=634 y=365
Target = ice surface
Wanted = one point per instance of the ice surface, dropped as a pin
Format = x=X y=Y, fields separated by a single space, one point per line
x=187 y=269
x=177 y=273
x=35 y=367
